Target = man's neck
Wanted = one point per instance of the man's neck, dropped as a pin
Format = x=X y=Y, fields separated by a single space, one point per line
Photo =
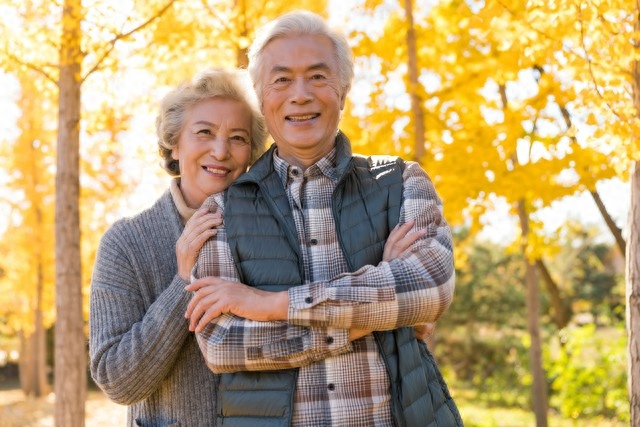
x=302 y=160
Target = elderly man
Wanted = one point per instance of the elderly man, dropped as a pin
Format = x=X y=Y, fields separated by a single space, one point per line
x=306 y=228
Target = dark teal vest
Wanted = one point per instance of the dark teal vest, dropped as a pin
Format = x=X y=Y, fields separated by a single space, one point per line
x=263 y=240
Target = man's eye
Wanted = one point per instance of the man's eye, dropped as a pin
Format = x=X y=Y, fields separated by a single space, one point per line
x=281 y=80
x=318 y=77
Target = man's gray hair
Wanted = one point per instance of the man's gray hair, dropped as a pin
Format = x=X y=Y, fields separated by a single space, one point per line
x=300 y=23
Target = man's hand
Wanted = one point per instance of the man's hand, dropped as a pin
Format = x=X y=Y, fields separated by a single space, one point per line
x=399 y=241
x=200 y=227
x=214 y=296
x=423 y=332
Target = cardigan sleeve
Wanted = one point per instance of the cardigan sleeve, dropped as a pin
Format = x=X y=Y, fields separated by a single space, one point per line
x=136 y=333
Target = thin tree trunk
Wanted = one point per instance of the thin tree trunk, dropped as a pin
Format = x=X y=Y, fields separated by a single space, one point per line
x=25 y=363
x=33 y=379
x=539 y=388
x=615 y=230
x=41 y=386
x=561 y=310
x=242 y=59
x=40 y=347
x=611 y=224
x=416 y=101
x=70 y=353
x=632 y=258
x=633 y=296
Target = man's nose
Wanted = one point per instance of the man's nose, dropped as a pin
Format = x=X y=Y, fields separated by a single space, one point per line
x=301 y=92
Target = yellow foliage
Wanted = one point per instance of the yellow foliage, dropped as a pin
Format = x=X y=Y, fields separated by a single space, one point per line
x=29 y=194
x=507 y=88
x=521 y=100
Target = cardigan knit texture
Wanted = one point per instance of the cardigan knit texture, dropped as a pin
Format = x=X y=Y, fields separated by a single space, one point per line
x=141 y=351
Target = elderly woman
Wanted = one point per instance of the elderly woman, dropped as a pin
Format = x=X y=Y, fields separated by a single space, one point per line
x=142 y=352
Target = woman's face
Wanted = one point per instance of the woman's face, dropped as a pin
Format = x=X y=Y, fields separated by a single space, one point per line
x=214 y=148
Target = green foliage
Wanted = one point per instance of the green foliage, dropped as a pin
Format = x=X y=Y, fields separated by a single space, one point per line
x=590 y=275
x=482 y=334
x=483 y=342
x=588 y=376
x=493 y=362
x=489 y=287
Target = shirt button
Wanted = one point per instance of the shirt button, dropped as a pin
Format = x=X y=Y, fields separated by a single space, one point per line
x=314 y=241
x=308 y=300
x=331 y=387
x=329 y=340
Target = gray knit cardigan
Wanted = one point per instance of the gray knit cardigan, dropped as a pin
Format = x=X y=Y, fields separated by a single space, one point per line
x=142 y=353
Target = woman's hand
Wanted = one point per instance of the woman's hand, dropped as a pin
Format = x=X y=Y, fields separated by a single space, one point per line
x=200 y=227
x=214 y=296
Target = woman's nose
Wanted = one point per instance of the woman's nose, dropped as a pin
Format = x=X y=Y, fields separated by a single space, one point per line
x=219 y=148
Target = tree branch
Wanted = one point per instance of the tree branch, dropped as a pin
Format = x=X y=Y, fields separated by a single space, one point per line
x=32 y=67
x=111 y=44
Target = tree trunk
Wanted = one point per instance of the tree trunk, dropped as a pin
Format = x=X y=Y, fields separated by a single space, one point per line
x=561 y=310
x=632 y=258
x=41 y=385
x=539 y=387
x=611 y=224
x=70 y=353
x=242 y=59
x=25 y=364
x=416 y=101
x=633 y=296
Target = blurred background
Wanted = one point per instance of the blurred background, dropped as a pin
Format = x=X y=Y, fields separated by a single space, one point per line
x=524 y=114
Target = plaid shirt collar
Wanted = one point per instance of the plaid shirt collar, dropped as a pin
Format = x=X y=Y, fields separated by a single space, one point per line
x=325 y=166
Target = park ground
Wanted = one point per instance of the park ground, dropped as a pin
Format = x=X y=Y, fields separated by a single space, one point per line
x=16 y=410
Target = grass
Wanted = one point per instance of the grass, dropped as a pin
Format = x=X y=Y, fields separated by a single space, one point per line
x=476 y=414
x=16 y=410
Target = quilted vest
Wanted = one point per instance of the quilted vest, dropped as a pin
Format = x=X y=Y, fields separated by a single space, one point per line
x=263 y=240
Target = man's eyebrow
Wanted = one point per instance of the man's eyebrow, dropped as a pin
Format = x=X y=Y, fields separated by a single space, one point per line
x=283 y=69
x=320 y=66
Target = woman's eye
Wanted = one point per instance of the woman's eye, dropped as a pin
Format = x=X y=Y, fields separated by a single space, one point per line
x=239 y=140
x=204 y=132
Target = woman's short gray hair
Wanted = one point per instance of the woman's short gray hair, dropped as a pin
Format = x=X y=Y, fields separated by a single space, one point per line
x=299 y=23
x=214 y=82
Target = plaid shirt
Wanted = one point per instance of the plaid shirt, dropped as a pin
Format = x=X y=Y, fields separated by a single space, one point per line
x=338 y=383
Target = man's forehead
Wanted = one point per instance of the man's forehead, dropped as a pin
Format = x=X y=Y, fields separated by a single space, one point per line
x=313 y=52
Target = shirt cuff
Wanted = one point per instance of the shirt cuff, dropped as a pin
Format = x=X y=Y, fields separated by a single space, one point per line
x=330 y=341
x=306 y=306
x=318 y=343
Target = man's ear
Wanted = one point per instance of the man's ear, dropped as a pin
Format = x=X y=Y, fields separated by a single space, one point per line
x=343 y=98
x=257 y=90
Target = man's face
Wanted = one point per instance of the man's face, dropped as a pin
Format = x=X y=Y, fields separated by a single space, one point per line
x=301 y=96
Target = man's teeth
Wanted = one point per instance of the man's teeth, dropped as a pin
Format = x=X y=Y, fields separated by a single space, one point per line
x=302 y=118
